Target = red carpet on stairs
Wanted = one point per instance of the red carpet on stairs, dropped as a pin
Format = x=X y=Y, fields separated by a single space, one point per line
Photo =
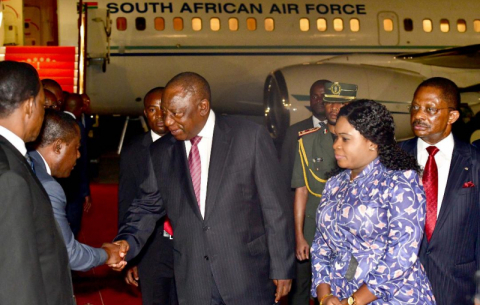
x=102 y=286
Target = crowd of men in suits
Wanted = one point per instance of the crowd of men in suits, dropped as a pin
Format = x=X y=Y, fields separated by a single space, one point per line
x=205 y=216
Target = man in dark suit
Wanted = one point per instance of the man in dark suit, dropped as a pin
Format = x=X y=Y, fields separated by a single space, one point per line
x=231 y=218
x=450 y=250
x=33 y=259
x=155 y=261
x=55 y=156
x=77 y=186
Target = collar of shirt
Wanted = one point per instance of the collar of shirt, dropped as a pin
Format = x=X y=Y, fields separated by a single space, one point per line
x=207 y=130
x=154 y=136
x=445 y=152
x=73 y=116
x=46 y=164
x=316 y=122
x=366 y=172
x=15 y=140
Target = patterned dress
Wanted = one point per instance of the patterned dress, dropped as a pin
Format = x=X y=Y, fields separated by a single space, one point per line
x=378 y=218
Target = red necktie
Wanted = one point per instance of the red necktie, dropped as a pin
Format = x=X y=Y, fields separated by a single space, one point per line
x=167 y=226
x=194 y=164
x=430 y=184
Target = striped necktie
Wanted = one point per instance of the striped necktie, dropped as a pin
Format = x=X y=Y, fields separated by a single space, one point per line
x=30 y=162
x=195 y=166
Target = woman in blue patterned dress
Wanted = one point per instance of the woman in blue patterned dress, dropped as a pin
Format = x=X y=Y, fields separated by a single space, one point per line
x=371 y=217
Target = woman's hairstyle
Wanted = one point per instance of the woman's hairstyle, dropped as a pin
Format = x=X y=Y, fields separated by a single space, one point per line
x=375 y=123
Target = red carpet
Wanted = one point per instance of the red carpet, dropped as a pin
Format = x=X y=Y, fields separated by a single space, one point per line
x=101 y=286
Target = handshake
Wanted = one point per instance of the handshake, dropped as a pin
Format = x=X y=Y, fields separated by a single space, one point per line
x=116 y=252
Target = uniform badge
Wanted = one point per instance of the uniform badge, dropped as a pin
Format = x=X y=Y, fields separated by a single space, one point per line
x=307 y=131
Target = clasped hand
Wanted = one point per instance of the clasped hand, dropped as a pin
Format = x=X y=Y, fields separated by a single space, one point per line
x=116 y=252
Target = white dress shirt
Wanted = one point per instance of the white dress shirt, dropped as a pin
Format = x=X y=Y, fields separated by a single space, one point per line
x=15 y=140
x=205 y=150
x=316 y=122
x=49 y=171
x=154 y=136
x=443 y=158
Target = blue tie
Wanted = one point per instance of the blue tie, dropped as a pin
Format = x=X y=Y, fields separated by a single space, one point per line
x=30 y=162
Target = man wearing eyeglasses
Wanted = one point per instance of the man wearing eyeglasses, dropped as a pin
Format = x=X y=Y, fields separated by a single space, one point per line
x=450 y=249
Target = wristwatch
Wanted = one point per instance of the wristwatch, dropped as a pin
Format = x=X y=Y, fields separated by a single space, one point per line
x=351 y=300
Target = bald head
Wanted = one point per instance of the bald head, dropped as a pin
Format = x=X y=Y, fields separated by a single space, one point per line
x=152 y=110
x=191 y=83
x=74 y=104
x=55 y=88
x=50 y=100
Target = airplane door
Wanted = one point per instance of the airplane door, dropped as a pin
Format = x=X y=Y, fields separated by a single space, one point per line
x=33 y=22
x=388 y=30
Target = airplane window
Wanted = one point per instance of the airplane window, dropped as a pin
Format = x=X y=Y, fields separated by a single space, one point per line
x=121 y=23
x=338 y=24
x=178 y=23
x=354 y=25
x=322 y=24
x=444 y=25
x=304 y=24
x=269 y=24
x=427 y=25
x=196 y=24
x=388 y=25
x=233 y=24
x=461 y=25
x=408 y=24
x=251 y=24
x=476 y=25
x=159 y=24
x=215 y=24
x=140 y=24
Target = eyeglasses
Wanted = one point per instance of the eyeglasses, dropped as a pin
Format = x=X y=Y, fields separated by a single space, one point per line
x=428 y=110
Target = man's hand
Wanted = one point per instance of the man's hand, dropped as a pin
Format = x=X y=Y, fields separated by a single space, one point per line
x=87 y=204
x=122 y=252
x=131 y=277
x=302 y=248
x=283 y=288
x=113 y=252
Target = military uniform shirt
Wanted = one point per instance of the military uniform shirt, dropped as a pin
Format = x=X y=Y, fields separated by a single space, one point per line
x=313 y=160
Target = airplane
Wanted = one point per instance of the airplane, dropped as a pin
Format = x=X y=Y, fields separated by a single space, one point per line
x=260 y=57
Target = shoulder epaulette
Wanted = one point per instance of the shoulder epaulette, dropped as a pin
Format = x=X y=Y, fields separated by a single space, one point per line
x=307 y=131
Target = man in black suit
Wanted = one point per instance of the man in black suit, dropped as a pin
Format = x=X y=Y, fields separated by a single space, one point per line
x=33 y=258
x=155 y=261
x=450 y=250
x=231 y=218
x=77 y=186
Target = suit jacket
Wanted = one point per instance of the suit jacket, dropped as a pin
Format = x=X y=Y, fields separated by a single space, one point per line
x=289 y=147
x=453 y=254
x=33 y=259
x=246 y=238
x=156 y=258
x=77 y=185
x=81 y=256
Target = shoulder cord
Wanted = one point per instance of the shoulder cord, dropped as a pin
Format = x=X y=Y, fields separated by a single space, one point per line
x=304 y=160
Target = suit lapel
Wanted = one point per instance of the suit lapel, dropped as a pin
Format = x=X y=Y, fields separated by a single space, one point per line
x=23 y=161
x=220 y=150
x=456 y=177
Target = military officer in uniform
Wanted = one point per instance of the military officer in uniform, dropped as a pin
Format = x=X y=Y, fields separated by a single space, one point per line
x=313 y=161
